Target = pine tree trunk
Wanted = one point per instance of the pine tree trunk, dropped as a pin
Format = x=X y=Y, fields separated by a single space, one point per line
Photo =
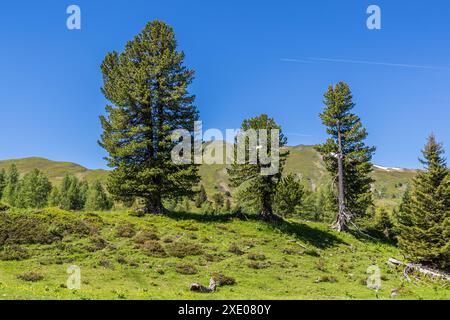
x=341 y=221
x=154 y=205
x=266 y=211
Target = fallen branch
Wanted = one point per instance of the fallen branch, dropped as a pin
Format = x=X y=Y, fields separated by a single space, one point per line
x=197 y=287
x=411 y=267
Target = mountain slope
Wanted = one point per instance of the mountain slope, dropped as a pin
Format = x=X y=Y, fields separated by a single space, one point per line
x=390 y=183
x=55 y=170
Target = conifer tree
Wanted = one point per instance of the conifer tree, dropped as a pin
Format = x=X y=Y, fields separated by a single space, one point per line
x=2 y=182
x=257 y=190
x=147 y=85
x=201 y=197
x=424 y=216
x=12 y=181
x=218 y=201
x=33 y=190
x=346 y=156
x=227 y=206
x=289 y=195
x=97 y=199
x=70 y=194
x=54 y=198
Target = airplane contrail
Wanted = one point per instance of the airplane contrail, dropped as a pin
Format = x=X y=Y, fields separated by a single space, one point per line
x=376 y=63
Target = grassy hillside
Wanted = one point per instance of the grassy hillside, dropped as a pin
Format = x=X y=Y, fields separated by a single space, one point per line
x=292 y=260
x=304 y=161
x=55 y=170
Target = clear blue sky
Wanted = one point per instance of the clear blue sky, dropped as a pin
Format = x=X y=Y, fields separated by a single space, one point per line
x=50 y=80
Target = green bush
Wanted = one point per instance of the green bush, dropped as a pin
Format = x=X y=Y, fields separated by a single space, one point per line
x=14 y=253
x=181 y=249
x=30 y=276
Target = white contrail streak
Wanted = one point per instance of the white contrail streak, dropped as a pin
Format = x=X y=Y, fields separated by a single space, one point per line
x=374 y=63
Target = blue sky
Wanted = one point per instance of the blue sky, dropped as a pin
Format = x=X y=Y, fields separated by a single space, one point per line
x=50 y=80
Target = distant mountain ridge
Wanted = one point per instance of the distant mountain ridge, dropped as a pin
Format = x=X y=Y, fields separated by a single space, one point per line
x=303 y=160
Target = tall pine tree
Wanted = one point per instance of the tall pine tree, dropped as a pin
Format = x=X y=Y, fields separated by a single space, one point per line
x=346 y=146
x=256 y=190
x=424 y=216
x=147 y=85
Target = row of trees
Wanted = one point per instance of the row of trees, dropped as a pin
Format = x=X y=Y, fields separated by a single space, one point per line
x=147 y=86
x=34 y=190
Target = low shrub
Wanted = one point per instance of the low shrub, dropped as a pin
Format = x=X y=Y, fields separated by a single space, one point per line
x=257 y=265
x=186 y=269
x=125 y=230
x=96 y=243
x=14 y=253
x=145 y=235
x=153 y=248
x=223 y=280
x=234 y=248
x=181 y=249
x=30 y=276
x=330 y=279
x=256 y=256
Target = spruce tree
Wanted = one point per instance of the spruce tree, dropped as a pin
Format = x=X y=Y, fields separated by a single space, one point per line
x=424 y=216
x=257 y=190
x=97 y=199
x=33 y=190
x=201 y=197
x=12 y=181
x=70 y=194
x=346 y=155
x=2 y=182
x=147 y=85
x=289 y=195
x=54 y=198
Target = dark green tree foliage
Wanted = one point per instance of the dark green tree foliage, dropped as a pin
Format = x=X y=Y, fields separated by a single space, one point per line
x=201 y=197
x=12 y=182
x=97 y=199
x=147 y=85
x=219 y=200
x=227 y=206
x=256 y=190
x=33 y=190
x=289 y=195
x=424 y=217
x=71 y=196
x=357 y=156
x=2 y=182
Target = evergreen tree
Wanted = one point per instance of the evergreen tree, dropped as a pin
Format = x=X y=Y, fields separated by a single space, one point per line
x=424 y=216
x=33 y=190
x=201 y=197
x=218 y=201
x=346 y=147
x=147 y=85
x=2 y=182
x=12 y=181
x=289 y=195
x=255 y=189
x=97 y=199
x=54 y=198
x=70 y=194
x=227 y=207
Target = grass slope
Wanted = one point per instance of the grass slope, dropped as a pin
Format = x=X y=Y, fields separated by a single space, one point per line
x=293 y=260
x=55 y=170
